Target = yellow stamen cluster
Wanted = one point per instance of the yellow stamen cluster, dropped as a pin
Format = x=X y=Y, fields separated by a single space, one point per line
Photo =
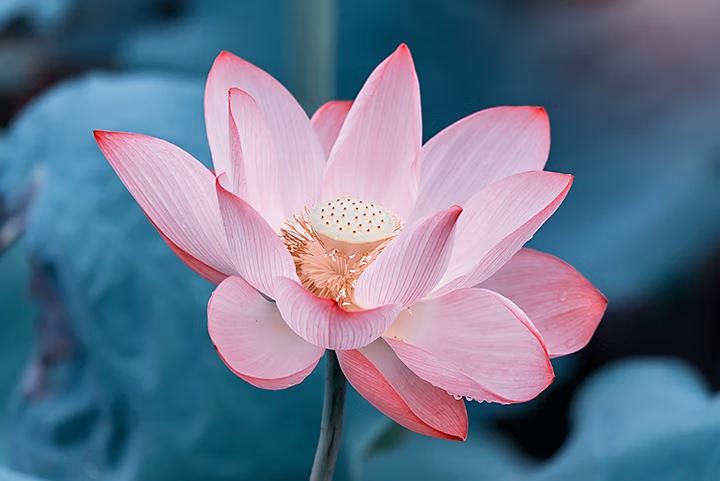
x=329 y=263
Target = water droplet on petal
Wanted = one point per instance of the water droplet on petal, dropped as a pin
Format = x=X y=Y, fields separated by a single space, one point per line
x=563 y=295
x=457 y=397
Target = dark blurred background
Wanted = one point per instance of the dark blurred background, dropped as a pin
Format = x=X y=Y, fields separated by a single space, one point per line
x=107 y=371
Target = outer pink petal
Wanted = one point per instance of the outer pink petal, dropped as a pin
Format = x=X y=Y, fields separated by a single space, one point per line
x=479 y=150
x=297 y=150
x=254 y=341
x=381 y=378
x=257 y=251
x=377 y=153
x=412 y=264
x=322 y=322
x=200 y=268
x=327 y=122
x=254 y=174
x=475 y=343
x=175 y=191
x=561 y=303
x=497 y=221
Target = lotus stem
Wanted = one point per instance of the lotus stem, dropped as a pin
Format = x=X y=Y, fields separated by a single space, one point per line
x=332 y=420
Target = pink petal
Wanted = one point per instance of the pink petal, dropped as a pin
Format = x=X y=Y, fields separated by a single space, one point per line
x=412 y=264
x=479 y=150
x=381 y=378
x=322 y=322
x=175 y=191
x=328 y=120
x=254 y=174
x=497 y=221
x=377 y=153
x=257 y=251
x=254 y=341
x=298 y=153
x=560 y=302
x=200 y=268
x=473 y=342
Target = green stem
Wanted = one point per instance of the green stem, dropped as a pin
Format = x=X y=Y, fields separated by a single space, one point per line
x=332 y=420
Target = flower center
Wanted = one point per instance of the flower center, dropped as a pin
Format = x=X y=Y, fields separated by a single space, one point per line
x=334 y=241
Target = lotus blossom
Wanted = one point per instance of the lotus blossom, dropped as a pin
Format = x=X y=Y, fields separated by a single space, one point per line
x=345 y=232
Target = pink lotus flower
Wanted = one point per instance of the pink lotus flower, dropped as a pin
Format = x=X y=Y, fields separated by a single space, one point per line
x=406 y=259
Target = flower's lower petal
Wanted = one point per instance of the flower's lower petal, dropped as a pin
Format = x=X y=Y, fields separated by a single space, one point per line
x=176 y=192
x=377 y=154
x=412 y=264
x=327 y=122
x=475 y=343
x=498 y=221
x=257 y=251
x=559 y=301
x=381 y=378
x=296 y=148
x=253 y=339
x=200 y=268
x=478 y=150
x=322 y=322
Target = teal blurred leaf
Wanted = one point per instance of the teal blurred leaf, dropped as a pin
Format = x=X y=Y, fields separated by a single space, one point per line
x=144 y=395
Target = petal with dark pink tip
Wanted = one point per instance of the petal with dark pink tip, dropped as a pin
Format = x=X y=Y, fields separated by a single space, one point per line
x=176 y=192
x=475 y=343
x=377 y=154
x=381 y=378
x=498 y=221
x=254 y=341
x=559 y=301
x=478 y=150
x=327 y=122
x=257 y=251
x=324 y=323
x=412 y=264
x=298 y=153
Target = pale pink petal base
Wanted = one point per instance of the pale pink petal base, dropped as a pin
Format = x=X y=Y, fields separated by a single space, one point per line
x=559 y=301
x=257 y=251
x=474 y=343
x=254 y=341
x=322 y=322
x=381 y=378
x=412 y=264
x=327 y=122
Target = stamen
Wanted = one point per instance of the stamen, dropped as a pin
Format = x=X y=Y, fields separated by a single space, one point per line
x=329 y=258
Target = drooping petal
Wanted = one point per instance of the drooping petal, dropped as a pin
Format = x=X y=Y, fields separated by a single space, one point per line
x=327 y=122
x=254 y=341
x=298 y=153
x=253 y=152
x=473 y=342
x=322 y=322
x=257 y=251
x=412 y=264
x=175 y=191
x=498 y=221
x=380 y=377
x=377 y=154
x=200 y=268
x=478 y=150
x=559 y=301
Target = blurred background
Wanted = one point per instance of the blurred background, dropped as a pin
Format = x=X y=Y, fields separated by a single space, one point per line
x=106 y=369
